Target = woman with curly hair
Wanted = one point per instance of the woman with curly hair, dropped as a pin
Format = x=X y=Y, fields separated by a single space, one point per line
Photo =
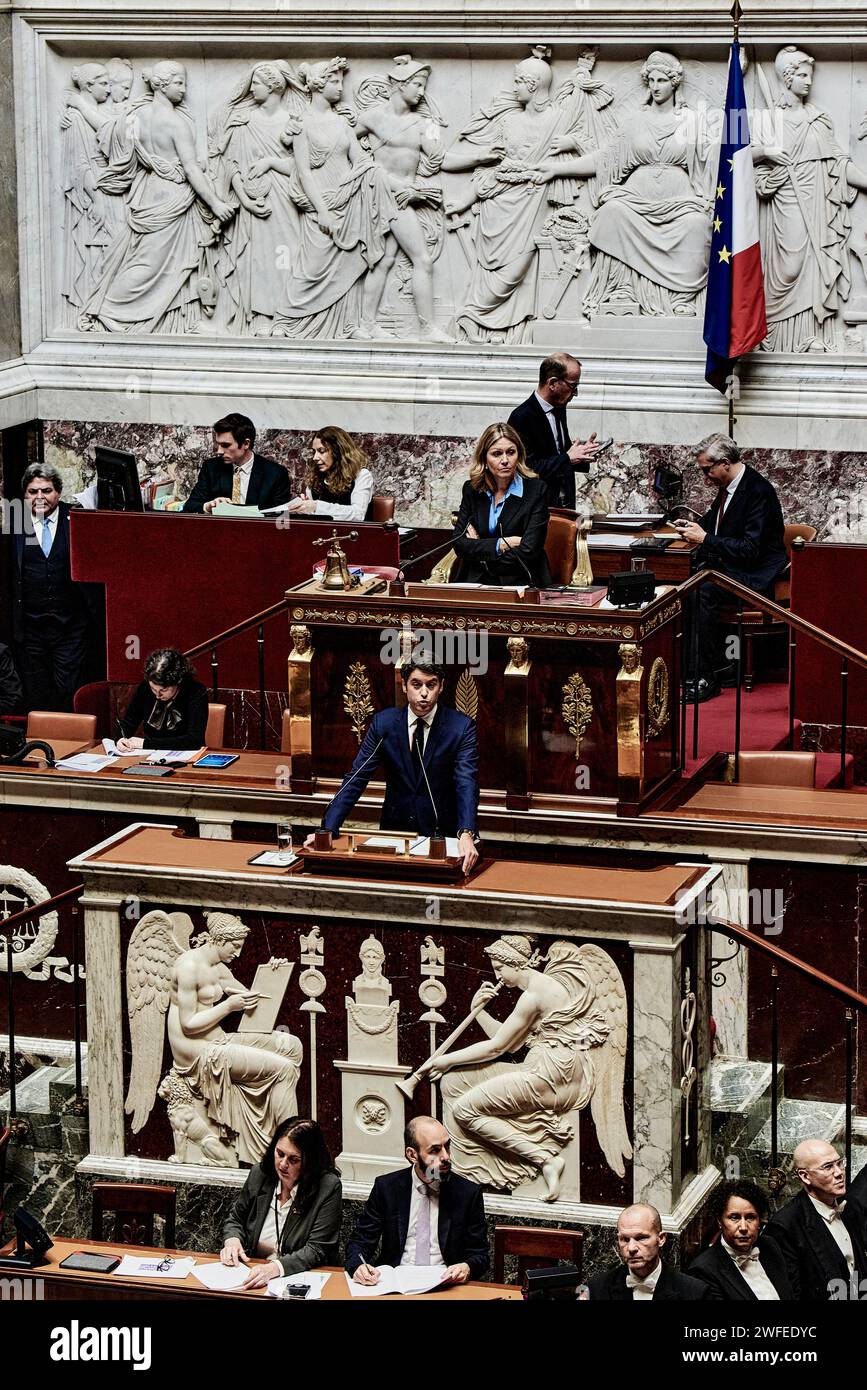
x=170 y=706
x=338 y=482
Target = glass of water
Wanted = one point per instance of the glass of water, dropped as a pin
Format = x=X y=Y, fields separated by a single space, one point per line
x=284 y=835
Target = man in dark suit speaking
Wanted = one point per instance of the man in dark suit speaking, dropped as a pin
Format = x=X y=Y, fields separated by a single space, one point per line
x=423 y=1215
x=236 y=473
x=431 y=766
x=541 y=422
x=741 y=535
x=642 y=1275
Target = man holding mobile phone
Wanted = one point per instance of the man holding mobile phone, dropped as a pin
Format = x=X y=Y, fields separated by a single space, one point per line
x=541 y=422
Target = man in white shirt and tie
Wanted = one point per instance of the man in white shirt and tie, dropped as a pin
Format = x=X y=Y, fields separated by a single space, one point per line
x=424 y=1215
x=823 y=1237
x=744 y=1264
x=642 y=1277
x=50 y=611
x=236 y=474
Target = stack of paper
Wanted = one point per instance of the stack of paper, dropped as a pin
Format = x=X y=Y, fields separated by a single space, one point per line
x=85 y=762
x=215 y=1275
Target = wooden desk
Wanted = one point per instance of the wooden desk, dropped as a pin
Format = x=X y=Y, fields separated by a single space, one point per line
x=67 y=1285
x=561 y=722
x=831 y=809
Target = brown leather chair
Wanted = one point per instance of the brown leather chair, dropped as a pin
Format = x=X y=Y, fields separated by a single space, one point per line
x=215 y=729
x=560 y=548
x=50 y=724
x=134 y=1206
x=755 y=622
x=381 y=508
x=534 y=1247
x=781 y=768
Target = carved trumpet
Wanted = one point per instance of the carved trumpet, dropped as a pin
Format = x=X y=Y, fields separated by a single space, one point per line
x=408 y=1086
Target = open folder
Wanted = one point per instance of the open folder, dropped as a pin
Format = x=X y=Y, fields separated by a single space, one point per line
x=400 y=1279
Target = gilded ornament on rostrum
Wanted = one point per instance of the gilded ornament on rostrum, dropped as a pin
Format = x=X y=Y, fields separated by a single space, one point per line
x=658 y=698
x=577 y=709
x=357 y=700
x=467 y=695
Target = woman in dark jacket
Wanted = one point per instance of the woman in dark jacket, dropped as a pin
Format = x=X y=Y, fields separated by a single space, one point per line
x=290 y=1207
x=503 y=521
x=170 y=706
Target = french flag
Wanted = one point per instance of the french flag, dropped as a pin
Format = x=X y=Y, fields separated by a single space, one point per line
x=734 y=318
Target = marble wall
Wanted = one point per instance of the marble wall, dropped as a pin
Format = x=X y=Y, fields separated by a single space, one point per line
x=426 y=473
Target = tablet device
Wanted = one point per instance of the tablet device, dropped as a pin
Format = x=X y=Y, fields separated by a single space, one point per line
x=217 y=760
x=148 y=770
x=91 y=1264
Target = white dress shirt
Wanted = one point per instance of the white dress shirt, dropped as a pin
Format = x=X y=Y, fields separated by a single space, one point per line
x=549 y=411
x=421 y=1192
x=750 y=1268
x=427 y=722
x=42 y=522
x=832 y=1218
x=730 y=492
x=271 y=1233
x=644 y=1289
x=356 y=508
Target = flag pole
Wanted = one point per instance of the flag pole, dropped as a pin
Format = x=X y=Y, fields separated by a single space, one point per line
x=733 y=382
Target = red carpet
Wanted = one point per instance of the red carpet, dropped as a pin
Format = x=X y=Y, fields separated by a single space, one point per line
x=764 y=726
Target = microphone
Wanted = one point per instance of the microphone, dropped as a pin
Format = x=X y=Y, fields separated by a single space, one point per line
x=436 y=834
x=417 y=559
x=511 y=551
x=363 y=766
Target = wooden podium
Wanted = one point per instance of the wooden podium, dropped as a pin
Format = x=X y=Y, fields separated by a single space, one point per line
x=575 y=706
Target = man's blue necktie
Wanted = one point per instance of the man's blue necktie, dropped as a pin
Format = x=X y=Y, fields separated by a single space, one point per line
x=46 y=539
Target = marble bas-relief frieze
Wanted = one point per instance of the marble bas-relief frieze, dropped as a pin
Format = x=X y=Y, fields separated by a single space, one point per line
x=334 y=198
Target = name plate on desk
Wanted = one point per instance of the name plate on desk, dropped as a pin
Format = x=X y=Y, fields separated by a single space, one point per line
x=348 y=858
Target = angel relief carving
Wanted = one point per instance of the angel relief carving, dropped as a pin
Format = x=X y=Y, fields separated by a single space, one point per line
x=509 y=1120
x=226 y=1092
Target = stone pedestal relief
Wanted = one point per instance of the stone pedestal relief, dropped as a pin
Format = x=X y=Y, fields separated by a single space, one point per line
x=309 y=195
x=372 y=1106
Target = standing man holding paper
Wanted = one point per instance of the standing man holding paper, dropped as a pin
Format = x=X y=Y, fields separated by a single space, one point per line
x=424 y=1215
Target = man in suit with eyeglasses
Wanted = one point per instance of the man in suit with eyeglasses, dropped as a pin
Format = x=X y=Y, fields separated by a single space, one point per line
x=822 y=1235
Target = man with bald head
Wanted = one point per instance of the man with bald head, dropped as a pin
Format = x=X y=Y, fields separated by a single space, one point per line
x=823 y=1237
x=541 y=422
x=642 y=1276
x=423 y=1215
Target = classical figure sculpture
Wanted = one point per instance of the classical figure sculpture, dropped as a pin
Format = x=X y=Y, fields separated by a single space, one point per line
x=397 y=122
x=244 y=1083
x=120 y=76
x=159 y=274
x=88 y=218
x=248 y=148
x=651 y=231
x=347 y=210
x=507 y=1119
x=805 y=188
x=513 y=134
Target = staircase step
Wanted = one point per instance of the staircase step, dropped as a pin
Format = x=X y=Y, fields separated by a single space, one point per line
x=801 y=1119
x=33 y=1103
x=740 y=1099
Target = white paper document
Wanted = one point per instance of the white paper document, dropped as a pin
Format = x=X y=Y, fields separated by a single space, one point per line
x=315 y=1280
x=606 y=540
x=400 y=1279
x=394 y=842
x=215 y=1275
x=85 y=762
x=150 y=1267
x=175 y=755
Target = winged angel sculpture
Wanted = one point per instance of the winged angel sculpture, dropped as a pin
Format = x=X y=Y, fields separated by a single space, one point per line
x=225 y=1093
x=508 y=1119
